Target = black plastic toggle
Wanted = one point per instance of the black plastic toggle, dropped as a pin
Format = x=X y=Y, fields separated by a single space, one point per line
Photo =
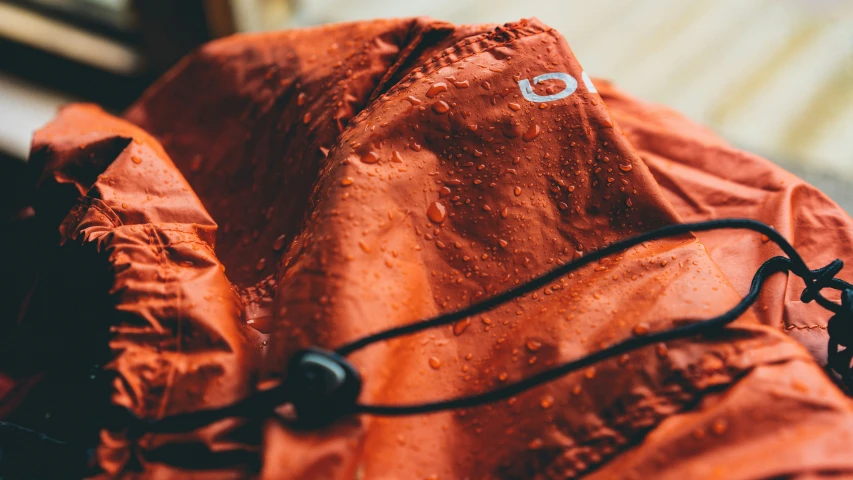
x=322 y=386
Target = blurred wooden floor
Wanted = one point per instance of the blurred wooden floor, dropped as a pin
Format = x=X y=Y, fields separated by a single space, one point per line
x=773 y=76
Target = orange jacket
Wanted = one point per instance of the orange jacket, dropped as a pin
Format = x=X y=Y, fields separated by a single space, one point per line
x=308 y=187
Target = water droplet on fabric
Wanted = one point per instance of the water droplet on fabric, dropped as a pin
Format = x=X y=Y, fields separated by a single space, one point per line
x=440 y=107
x=641 y=329
x=435 y=363
x=626 y=167
x=347 y=181
x=135 y=159
x=370 y=157
x=263 y=323
x=396 y=157
x=534 y=345
x=514 y=107
x=460 y=326
x=435 y=89
x=436 y=212
x=546 y=402
x=532 y=132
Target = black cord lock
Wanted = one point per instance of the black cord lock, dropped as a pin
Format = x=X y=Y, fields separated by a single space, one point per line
x=322 y=386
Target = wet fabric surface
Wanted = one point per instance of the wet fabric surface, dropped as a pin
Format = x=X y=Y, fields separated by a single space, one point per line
x=309 y=187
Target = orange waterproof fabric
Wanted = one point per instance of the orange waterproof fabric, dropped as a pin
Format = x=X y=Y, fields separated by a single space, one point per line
x=331 y=182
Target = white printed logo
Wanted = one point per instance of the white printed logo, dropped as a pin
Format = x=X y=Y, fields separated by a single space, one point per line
x=588 y=83
x=568 y=80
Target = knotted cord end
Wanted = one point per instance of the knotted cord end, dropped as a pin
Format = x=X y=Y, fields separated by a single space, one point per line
x=818 y=279
x=840 y=325
x=840 y=330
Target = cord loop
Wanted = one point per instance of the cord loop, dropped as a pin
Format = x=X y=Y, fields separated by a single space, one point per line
x=818 y=279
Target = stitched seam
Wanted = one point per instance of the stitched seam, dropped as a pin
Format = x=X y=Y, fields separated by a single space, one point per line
x=414 y=75
x=402 y=57
x=515 y=34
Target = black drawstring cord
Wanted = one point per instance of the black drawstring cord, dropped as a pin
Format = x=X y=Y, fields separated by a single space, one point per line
x=798 y=267
x=774 y=265
x=840 y=326
x=322 y=386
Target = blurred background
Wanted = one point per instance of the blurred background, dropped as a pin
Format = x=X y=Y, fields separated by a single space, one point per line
x=774 y=77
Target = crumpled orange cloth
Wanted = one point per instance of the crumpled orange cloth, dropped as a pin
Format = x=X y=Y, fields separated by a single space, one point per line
x=308 y=187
